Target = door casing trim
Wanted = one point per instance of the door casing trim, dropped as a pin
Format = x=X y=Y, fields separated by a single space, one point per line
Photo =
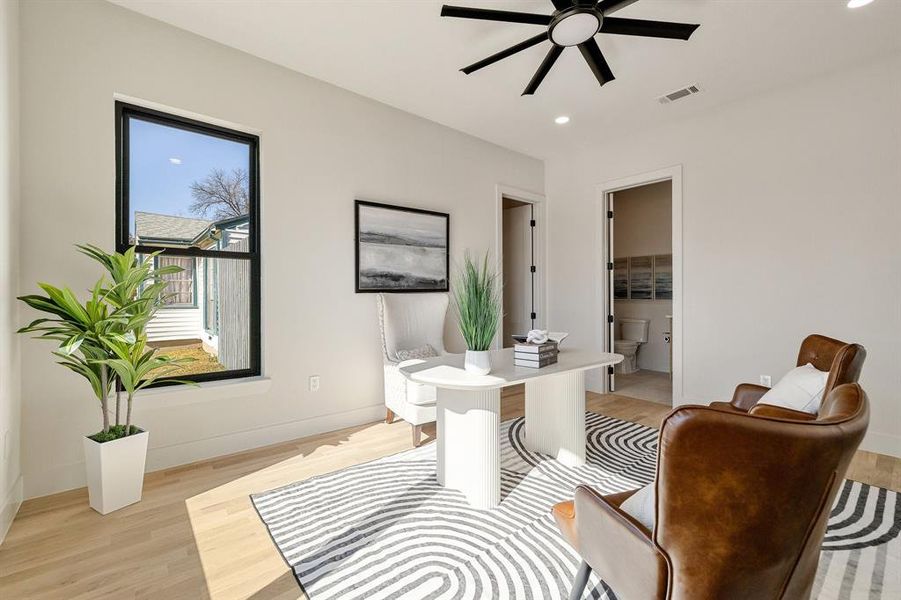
x=539 y=208
x=674 y=175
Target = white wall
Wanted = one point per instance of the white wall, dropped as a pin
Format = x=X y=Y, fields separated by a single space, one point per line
x=10 y=400
x=792 y=213
x=643 y=227
x=643 y=220
x=321 y=148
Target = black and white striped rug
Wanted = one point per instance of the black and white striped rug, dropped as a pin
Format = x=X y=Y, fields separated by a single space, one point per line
x=386 y=529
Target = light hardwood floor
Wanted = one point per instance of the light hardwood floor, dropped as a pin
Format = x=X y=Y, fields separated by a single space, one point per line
x=196 y=535
x=646 y=385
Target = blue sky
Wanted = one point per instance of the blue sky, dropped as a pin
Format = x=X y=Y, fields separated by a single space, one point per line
x=164 y=161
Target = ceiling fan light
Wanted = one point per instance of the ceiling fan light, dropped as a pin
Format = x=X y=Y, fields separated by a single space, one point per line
x=858 y=3
x=575 y=28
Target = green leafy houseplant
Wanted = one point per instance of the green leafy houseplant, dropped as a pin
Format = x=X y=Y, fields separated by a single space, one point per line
x=104 y=339
x=477 y=301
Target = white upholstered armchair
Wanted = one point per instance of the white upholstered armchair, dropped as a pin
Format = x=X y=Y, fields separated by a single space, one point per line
x=412 y=328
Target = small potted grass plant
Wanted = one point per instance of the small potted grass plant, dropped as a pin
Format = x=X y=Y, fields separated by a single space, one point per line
x=477 y=301
x=104 y=341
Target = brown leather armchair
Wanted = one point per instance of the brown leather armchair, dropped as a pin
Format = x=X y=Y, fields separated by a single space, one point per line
x=742 y=503
x=843 y=361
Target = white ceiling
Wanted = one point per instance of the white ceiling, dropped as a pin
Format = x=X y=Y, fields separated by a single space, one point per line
x=402 y=53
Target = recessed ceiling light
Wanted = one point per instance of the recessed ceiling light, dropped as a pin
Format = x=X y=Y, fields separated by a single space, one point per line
x=175 y=161
x=561 y=120
x=858 y=3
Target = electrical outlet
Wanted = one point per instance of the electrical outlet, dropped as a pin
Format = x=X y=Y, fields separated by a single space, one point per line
x=314 y=383
x=766 y=380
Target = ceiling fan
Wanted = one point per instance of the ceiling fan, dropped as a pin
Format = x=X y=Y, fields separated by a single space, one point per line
x=573 y=23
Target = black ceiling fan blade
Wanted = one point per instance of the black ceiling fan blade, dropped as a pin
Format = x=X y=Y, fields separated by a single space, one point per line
x=552 y=55
x=596 y=61
x=610 y=6
x=562 y=4
x=541 y=37
x=640 y=27
x=487 y=14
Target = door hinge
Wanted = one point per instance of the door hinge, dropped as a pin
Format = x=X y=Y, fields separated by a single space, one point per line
x=609 y=266
x=532 y=223
x=534 y=316
x=532 y=268
x=609 y=214
x=610 y=318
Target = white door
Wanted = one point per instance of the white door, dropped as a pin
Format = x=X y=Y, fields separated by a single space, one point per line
x=610 y=319
x=518 y=290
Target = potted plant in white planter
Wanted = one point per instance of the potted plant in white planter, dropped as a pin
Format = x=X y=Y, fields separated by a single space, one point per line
x=477 y=302
x=103 y=340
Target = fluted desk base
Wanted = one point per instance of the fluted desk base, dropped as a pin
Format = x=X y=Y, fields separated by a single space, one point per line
x=469 y=444
x=469 y=408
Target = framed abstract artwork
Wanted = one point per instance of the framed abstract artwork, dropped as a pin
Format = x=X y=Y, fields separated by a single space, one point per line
x=620 y=279
x=663 y=277
x=400 y=249
x=641 y=280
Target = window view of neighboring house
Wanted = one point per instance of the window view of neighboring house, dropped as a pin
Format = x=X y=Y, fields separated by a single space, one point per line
x=191 y=315
x=190 y=194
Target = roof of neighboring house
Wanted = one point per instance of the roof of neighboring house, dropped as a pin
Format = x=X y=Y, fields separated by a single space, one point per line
x=153 y=226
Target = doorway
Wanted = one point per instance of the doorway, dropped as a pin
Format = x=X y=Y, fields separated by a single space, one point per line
x=520 y=263
x=518 y=269
x=642 y=264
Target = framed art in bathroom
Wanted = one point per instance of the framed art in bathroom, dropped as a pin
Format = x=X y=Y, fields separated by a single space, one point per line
x=663 y=277
x=621 y=279
x=641 y=277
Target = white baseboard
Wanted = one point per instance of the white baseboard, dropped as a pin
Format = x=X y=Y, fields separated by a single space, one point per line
x=10 y=507
x=882 y=443
x=188 y=452
x=594 y=381
x=72 y=475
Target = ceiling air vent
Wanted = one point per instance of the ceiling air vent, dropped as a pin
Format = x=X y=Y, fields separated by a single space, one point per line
x=678 y=94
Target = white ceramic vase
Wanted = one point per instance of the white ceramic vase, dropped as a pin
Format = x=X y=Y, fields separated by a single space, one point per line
x=115 y=471
x=477 y=362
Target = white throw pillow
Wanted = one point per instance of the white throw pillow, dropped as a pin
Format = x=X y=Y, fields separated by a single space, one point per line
x=801 y=389
x=640 y=506
x=423 y=352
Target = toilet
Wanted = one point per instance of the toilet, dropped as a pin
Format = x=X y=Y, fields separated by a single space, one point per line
x=632 y=333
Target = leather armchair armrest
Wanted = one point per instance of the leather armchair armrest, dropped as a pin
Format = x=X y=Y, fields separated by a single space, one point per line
x=746 y=396
x=726 y=407
x=618 y=548
x=778 y=412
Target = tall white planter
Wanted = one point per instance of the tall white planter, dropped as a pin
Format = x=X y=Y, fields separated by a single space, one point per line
x=115 y=471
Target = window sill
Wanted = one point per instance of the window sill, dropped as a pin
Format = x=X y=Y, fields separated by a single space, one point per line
x=208 y=391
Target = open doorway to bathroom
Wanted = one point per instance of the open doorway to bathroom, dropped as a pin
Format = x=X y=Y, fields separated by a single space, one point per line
x=640 y=291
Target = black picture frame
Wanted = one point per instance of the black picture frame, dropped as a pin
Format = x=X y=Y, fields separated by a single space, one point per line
x=371 y=289
x=124 y=112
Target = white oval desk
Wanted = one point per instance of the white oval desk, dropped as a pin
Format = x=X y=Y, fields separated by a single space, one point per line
x=469 y=406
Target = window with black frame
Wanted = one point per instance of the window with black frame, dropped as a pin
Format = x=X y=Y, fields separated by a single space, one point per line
x=190 y=191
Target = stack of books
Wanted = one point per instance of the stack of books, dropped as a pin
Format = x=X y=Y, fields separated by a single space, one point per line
x=535 y=356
